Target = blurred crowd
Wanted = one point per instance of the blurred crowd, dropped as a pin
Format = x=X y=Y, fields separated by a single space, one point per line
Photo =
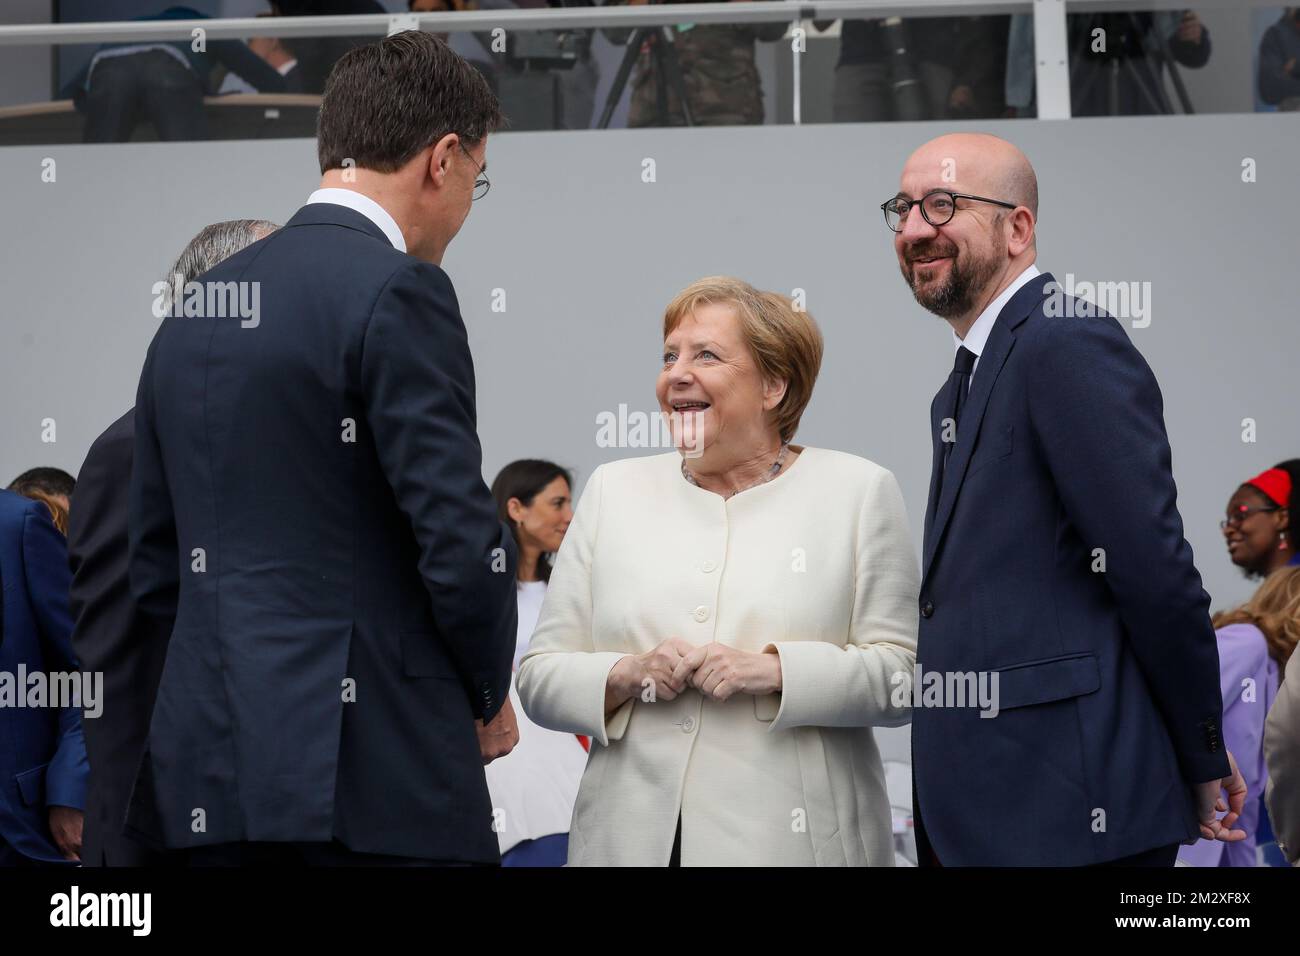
x=929 y=68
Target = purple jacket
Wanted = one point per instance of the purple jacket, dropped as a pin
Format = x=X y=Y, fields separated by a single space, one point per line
x=1243 y=655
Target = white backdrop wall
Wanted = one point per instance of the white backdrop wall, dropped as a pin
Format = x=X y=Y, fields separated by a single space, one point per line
x=588 y=255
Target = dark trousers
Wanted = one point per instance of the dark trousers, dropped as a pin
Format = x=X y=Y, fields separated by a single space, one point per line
x=149 y=86
x=298 y=854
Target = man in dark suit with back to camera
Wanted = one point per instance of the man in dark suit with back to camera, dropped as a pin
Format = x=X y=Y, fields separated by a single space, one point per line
x=1054 y=557
x=308 y=508
x=110 y=634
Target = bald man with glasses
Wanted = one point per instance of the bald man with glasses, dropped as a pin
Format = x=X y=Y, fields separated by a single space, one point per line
x=1054 y=558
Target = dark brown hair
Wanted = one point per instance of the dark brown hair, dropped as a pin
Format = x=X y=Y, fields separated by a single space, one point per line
x=386 y=101
x=525 y=479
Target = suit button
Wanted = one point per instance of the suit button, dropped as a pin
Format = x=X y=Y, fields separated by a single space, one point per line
x=927 y=609
x=708 y=567
x=688 y=724
x=701 y=614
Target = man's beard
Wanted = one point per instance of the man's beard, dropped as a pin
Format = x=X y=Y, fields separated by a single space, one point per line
x=955 y=295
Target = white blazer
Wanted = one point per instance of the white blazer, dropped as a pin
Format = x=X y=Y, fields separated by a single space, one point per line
x=817 y=562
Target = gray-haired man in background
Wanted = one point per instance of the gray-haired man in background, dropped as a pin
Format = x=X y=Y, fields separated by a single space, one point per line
x=110 y=634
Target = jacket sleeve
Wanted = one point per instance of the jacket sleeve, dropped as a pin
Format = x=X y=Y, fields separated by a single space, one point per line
x=1098 y=418
x=45 y=561
x=417 y=382
x=1282 y=756
x=1275 y=84
x=867 y=681
x=562 y=677
x=236 y=57
x=153 y=552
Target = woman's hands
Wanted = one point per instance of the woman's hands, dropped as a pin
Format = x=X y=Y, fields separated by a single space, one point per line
x=637 y=672
x=715 y=670
x=718 y=671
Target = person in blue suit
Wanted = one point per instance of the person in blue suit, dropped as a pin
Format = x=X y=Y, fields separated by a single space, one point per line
x=43 y=760
x=1055 y=574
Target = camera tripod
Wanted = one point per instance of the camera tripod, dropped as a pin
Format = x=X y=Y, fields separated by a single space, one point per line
x=663 y=56
x=1149 y=87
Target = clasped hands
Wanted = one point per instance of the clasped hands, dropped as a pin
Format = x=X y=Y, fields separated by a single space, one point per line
x=1210 y=797
x=717 y=671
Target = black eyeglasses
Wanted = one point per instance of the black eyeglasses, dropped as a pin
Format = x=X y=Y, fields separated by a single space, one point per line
x=481 y=185
x=1244 y=512
x=937 y=208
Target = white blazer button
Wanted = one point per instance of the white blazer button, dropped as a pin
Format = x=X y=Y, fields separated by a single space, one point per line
x=688 y=724
x=707 y=567
x=701 y=613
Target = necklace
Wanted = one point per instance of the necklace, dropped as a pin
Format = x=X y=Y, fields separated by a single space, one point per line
x=771 y=472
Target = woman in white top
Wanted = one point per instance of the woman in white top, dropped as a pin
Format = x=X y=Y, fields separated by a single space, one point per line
x=729 y=621
x=534 y=786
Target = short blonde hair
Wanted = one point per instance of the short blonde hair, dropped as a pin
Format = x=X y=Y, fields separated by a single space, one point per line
x=784 y=341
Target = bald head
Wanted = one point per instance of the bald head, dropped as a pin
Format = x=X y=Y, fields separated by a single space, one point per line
x=977 y=163
x=959 y=251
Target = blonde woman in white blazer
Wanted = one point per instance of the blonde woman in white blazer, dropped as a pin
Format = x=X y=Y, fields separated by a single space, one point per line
x=727 y=621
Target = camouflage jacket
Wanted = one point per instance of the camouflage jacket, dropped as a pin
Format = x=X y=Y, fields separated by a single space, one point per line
x=718 y=71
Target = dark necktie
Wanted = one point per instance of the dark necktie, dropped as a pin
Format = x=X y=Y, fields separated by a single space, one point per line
x=962 y=367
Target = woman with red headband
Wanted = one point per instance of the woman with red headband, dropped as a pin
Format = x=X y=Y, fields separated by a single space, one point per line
x=1257 y=527
x=1255 y=641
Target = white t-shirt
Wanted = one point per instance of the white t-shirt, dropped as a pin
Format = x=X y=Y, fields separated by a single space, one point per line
x=530 y=594
x=533 y=787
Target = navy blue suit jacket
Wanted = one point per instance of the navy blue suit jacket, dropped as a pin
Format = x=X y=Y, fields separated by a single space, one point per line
x=307 y=505
x=113 y=638
x=43 y=755
x=1108 y=680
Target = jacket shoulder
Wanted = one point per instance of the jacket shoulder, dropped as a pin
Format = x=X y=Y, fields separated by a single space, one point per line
x=1244 y=643
x=15 y=509
x=643 y=468
x=842 y=465
x=1072 y=326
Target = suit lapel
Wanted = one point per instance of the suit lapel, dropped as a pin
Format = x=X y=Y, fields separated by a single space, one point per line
x=941 y=402
x=1001 y=340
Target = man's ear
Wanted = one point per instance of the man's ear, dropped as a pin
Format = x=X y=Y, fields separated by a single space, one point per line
x=441 y=157
x=1021 y=234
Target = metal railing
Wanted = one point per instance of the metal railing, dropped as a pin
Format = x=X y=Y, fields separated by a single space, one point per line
x=1050 y=46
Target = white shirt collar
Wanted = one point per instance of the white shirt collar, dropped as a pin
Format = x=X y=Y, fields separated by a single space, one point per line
x=978 y=334
x=364 y=205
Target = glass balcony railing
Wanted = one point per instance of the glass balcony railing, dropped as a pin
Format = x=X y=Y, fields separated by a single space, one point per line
x=233 y=69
